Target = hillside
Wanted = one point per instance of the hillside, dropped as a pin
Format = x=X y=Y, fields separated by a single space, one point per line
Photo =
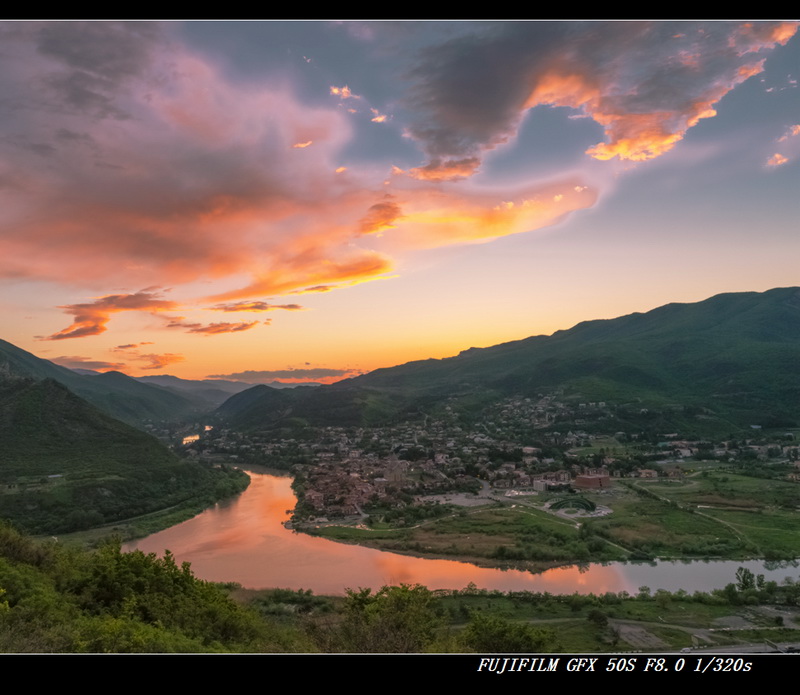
x=120 y=396
x=65 y=465
x=734 y=354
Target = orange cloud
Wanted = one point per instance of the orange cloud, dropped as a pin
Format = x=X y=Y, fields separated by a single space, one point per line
x=211 y=328
x=153 y=360
x=751 y=37
x=91 y=318
x=315 y=288
x=158 y=361
x=379 y=217
x=791 y=132
x=217 y=328
x=637 y=137
x=447 y=170
x=255 y=306
x=289 y=376
x=301 y=145
x=776 y=160
x=378 y=117
x=632 y=135
x=344 y=92
x=644 y=82
x=306 y=272
x=434 y=218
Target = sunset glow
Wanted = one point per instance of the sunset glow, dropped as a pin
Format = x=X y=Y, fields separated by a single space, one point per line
x=308 y=201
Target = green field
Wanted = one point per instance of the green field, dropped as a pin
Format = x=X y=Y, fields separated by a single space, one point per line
x=711 y=513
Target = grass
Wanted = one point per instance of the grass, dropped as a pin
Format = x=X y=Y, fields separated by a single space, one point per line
x=712 y=513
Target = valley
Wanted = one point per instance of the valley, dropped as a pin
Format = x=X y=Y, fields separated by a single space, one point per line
x=504 y=457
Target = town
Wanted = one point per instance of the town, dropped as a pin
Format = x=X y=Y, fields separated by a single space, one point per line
x=516 y=450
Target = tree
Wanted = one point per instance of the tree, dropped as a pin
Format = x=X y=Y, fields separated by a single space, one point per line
x=488 y=633
x=394 y=619
x=598 y=617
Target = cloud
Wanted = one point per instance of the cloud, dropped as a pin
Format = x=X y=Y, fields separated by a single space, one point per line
x=188 y=168
x=645 y=83
x=155 y=361
x=379 y=217
x=791 y=132
x=255 y=306
x=213 y=328
x=91 y=318
x=319 y=374
x=77 y=362
x=152 y=360
x=791 y=147
x=776 y=160
x=377 y=116
x=446 y=170
x=304 y=271
x=344 y=93
x=196 y=175
x=471 y=214
x=137 y=160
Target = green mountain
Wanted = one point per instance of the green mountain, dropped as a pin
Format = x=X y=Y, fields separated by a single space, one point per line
x=734 y=354
x=208 y=393
x=65 y=465
x=115 y=393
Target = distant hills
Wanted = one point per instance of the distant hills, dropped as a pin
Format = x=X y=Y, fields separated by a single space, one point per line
x=66 y=464
x=735 y=354
x=134 y=400
x=115 y=393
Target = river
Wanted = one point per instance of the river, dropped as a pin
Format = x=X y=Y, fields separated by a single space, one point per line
x=244 y=540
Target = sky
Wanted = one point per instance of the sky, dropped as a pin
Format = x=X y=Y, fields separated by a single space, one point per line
x=308 y=201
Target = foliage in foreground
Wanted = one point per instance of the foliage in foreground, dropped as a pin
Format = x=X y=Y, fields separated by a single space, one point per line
x=62 y=600
x=57 y=599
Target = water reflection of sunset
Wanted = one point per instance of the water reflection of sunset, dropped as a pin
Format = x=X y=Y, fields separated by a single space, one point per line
x=244 y=540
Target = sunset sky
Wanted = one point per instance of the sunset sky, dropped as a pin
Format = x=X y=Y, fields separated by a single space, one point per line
x=312 y=200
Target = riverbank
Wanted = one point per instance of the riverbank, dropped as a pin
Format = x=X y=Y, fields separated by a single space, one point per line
x=148 y=524
x=716 y=516
x=65 y=600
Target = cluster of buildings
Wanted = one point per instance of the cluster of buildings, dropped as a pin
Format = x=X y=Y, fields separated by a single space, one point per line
x=516 y=444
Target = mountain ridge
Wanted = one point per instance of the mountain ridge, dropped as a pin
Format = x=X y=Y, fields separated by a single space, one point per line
x=734 y=353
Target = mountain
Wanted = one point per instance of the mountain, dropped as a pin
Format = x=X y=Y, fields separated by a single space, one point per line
x=735 y=354
x=208 y=393
x=117 y=394
x=65 y=465
x=263 y=406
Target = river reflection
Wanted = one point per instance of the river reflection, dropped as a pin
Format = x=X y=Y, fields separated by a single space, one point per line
x=243 y=540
